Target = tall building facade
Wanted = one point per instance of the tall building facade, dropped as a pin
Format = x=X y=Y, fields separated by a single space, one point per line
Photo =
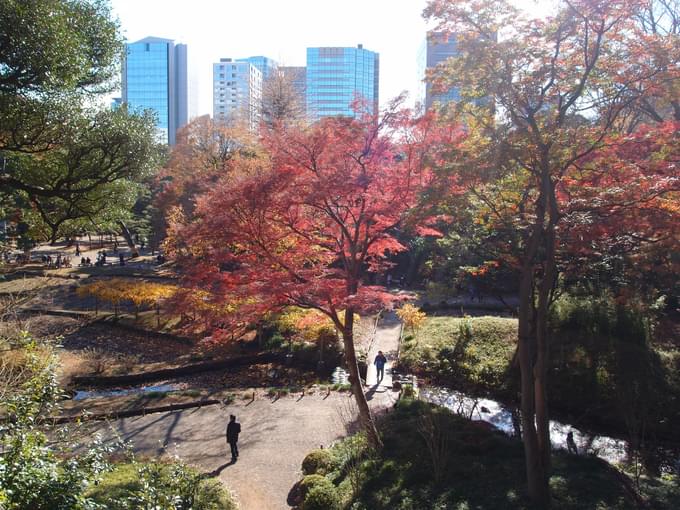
x=155 y=77
x=237 y=92
x=338 y=76
x=436 y=49
x=266 y=65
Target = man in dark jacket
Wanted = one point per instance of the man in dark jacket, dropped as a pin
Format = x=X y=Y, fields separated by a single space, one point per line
x=233 y=430
x=379 y=362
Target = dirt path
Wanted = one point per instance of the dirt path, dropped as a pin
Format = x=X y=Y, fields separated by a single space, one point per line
x=387 y=341
x=276 y=434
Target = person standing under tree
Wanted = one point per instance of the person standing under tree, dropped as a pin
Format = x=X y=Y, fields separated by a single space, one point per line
x=379 y=363
x=571 y=444
x=233 y=430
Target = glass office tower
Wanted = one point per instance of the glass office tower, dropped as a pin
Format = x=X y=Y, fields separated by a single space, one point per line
x=155 y=77
x=436 y=49
x=266 y=65
x=338 y=76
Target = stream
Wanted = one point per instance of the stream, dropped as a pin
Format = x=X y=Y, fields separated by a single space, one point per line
x=161 y=388
x=611 y=449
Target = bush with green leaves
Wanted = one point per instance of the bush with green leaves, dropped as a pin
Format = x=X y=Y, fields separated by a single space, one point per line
x=36 y=473
x=319 y=494
x=317 y=462
x=159 y=486
x=309 y=482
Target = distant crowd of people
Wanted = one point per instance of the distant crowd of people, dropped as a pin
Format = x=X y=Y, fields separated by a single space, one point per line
x=57 y=262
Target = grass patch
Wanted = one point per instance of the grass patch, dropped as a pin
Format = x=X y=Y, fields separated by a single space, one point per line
x=477 y=468
x=155 y=394
x=470 y=353
x=190 y=393
x=159 y=485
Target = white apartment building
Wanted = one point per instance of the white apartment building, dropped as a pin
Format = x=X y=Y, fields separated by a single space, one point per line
x=237 y=92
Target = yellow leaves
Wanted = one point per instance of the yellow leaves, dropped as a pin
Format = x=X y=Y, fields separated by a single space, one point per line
x=116 y=290
x=310 y=324
x=412 y=317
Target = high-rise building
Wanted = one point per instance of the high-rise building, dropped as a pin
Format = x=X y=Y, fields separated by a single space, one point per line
x=155 y=77
x=336 y=77
x=237 y=92
x=436 y=49
x=265 y=64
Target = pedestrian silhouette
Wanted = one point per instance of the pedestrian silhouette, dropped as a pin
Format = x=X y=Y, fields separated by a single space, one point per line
x=571 y=444
x=233 y=430
x=379 y=363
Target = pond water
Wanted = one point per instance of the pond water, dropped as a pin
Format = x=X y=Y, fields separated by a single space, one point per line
x=611 y=449
x=82 y=395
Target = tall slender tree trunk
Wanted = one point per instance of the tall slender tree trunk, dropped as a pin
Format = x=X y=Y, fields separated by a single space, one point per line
x=537 y=275
x=365 y=416
x=537 y=478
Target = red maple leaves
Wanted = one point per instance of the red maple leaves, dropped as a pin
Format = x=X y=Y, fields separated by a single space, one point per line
x=309 y=223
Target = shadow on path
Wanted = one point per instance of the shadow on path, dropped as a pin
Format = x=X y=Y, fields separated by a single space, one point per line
x=216 y=472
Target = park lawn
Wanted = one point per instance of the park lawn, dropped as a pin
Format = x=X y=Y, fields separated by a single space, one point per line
x=124 y=488
x=469 y=353
x=480 y=469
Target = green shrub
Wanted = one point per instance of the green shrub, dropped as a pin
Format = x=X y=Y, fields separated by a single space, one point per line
x=275 y=342
x=408 y=391
x=317 y=462
x=159 y=485
x=311 y=481
x=322 y=496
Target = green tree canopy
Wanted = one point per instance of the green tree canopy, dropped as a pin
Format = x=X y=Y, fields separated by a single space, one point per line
x=63 y=156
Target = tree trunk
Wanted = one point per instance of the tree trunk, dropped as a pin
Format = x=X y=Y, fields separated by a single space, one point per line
x=536 y=285
x=128 y=237
x=365 y=416
x=542 y=352
x=537 y=477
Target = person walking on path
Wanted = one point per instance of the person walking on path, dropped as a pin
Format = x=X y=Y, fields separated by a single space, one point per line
x=571 y=444
x=379 y=363
x=233 y=430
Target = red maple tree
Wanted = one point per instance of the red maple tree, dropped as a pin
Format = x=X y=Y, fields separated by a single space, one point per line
x=306 y=225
